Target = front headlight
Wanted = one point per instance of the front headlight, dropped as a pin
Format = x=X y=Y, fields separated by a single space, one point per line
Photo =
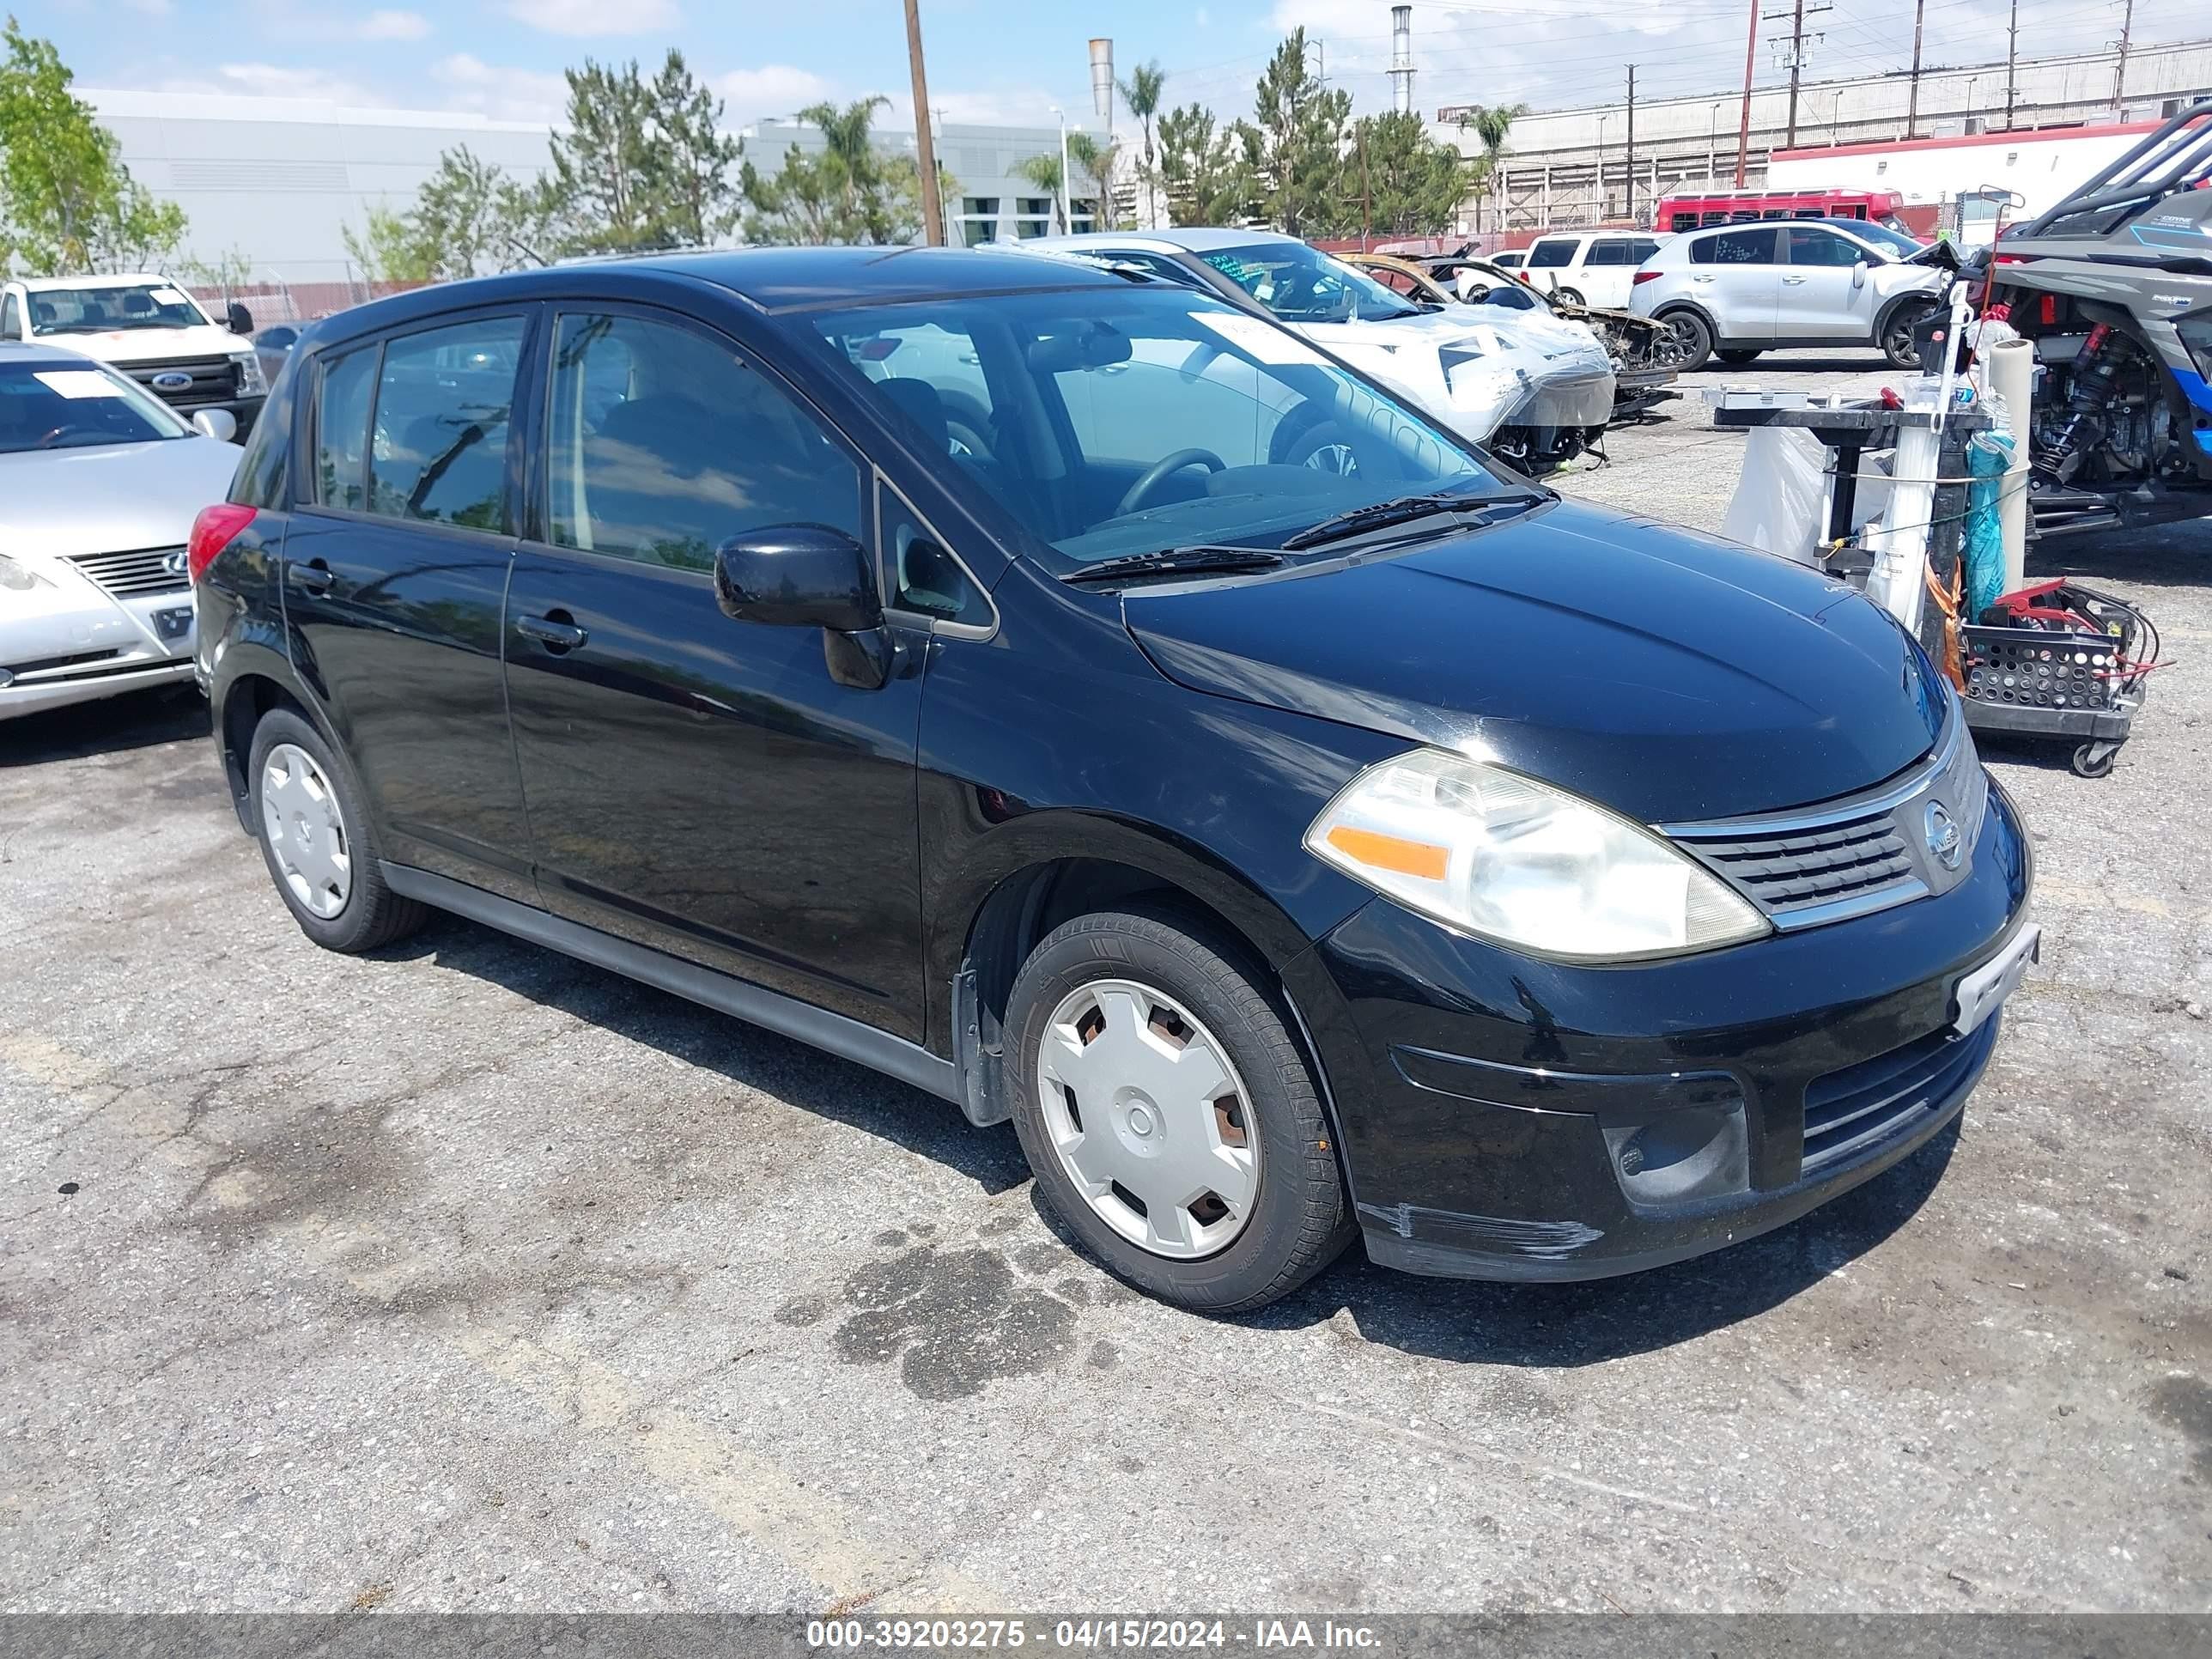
x=18 y=577
x=250 y=377
x=1478 y=848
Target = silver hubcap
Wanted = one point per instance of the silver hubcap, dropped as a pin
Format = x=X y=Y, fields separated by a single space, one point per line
x=300 y=818
x=1150 y=1119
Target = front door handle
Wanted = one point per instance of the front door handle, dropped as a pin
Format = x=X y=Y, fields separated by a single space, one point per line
x=313 y=577
x=1792 y=282
x=555 y=631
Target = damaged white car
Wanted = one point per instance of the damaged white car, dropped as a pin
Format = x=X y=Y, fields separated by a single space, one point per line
x=1534 y=389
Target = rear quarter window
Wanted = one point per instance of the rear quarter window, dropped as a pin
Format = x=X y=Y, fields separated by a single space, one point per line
x=1750 y=246
x=263 y=469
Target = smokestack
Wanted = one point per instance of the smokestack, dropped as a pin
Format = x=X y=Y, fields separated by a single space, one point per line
x=1102 y=80
x=1401 y=58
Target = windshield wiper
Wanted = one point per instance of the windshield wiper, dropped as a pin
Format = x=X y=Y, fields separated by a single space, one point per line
x=1177 y=562
x=1403 y=509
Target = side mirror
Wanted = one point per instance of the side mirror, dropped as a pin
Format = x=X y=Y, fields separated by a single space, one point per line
x=797 y=576
x=238 y=319
x=216 y=423
x=1859 y=274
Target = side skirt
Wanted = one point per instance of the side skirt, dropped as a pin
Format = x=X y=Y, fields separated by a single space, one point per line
x=848 y=1038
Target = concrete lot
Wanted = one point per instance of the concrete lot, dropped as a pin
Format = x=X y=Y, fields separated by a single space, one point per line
x=469 y=1277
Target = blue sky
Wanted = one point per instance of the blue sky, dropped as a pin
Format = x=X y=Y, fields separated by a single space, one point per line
x=998 y=61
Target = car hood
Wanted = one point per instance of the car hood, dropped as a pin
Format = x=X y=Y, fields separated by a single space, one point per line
x=1670 y=675
x=58 y=502
x=151 y=345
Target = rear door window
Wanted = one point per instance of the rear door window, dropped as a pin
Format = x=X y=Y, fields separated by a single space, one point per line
x=438 y=446
x=342 y=430
x=1735 y=248
x=1608 y=253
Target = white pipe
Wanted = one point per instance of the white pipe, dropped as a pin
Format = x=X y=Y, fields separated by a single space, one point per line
x=2012 y=377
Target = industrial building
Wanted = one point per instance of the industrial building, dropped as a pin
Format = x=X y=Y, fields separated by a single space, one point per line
x=1577 y=167
x=275 y=184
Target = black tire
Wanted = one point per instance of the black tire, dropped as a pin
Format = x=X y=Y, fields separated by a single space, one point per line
x=1896 y=336
x=1568 y=296
x=372 y=915
x=1736 y=356
x=1693 y=338
x=1300 y=1221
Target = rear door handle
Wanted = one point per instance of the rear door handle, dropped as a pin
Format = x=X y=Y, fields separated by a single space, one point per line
x=1792 y=282
x=313 y=577
x=557 y=631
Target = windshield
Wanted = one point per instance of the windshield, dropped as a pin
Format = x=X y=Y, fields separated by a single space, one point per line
x=1881 y=236
x=1116 y=420
x=120 y=306
x=1301 y=284
x=74 y=405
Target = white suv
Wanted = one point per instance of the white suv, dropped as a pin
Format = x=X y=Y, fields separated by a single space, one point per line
x=151 y=330
x=1595 y=269
x=1736 y=290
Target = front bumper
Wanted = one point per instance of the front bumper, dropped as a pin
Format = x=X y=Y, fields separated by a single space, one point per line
x=69 y=641
x=1509 y=1117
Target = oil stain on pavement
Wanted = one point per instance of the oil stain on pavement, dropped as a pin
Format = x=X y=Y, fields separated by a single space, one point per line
x=954 y=1319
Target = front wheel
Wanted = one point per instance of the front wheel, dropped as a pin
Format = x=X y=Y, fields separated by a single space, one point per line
x=1691 y=338
x=1897 y=343
x=1171 y=1119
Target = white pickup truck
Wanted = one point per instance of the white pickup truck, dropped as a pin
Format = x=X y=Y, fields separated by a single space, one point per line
x=151 y=330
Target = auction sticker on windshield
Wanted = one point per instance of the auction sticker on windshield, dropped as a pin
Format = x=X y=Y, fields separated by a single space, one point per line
x=1264 y=341
x=78 y=383
x=170 y=296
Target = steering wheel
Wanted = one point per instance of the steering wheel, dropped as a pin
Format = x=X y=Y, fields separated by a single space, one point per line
x=1164 y=468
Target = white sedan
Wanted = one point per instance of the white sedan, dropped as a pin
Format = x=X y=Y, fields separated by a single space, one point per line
x=100 y=481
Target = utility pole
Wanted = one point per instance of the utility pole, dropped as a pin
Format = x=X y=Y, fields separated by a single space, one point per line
x=2120 y=74
x=933 y=209
x=1912 y=102
x=1743 y=125
x=1631 y=143
x=1796 y=64
x=2012 y=57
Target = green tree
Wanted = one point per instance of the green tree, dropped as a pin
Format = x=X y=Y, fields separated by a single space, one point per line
x=1209 y=176
x=1142 y=92
x=1490 y=124
x=606 y=166
x=471 y=218
x=387 y=249
x=1408 y=184
x=1097 y=162
x=1301 y=125
x=700 y=202
x=848 y=191
x=1044 y=171
x=67 y=203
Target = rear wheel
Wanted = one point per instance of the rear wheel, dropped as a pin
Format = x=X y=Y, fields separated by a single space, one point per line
x=316 y=840
x=1738 y=356
x=1568 y=296
x=1171 y=1121
x=1690 y=338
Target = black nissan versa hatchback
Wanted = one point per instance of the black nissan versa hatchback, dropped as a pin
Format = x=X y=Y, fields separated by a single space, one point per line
x=926 y=654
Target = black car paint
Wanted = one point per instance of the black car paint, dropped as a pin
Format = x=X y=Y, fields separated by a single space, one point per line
x=758 y=846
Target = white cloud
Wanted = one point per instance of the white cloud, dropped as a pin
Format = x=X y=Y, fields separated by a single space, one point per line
x=589 y=17
x=392 y=26
x=507 y=95
x=750 y=94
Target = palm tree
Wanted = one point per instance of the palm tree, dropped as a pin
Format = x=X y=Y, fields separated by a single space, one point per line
x=1044 y=171
x=1490 y=122
x=1142 y=92
x=846 y=132
x=1096 y=161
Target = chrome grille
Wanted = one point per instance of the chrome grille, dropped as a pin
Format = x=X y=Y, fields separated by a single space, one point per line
x=1863 y=852
x=213 y=379
x=128 y=575
x=1852 y=1112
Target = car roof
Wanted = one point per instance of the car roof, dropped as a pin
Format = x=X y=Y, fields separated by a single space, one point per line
x=1187 y=238
x=141 y=279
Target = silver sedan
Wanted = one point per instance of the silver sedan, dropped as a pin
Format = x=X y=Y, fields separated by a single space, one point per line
x=100 y=481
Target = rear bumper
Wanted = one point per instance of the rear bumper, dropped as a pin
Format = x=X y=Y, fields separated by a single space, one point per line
x=1506 y=1117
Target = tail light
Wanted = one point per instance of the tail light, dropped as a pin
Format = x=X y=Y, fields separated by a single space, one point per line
x=1643 y=276
x=215 y=528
